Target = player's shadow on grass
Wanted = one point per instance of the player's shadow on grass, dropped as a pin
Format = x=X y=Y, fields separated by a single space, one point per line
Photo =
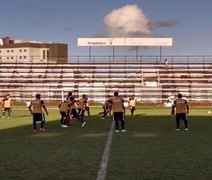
x=58 y=150
x=149 y=139
x=95 y=123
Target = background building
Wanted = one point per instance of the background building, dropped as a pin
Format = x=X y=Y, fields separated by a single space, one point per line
x=32 y=51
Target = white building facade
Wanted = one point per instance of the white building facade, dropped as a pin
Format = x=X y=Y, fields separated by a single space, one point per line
x=30 y=51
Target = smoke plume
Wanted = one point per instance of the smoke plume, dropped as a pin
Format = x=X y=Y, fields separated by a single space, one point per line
x=130 y=21
x=162 y=23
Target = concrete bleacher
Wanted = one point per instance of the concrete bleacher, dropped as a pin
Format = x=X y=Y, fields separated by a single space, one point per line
x=152 y=82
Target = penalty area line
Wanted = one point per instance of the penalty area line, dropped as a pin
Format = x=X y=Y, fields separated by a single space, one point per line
x=103 y=166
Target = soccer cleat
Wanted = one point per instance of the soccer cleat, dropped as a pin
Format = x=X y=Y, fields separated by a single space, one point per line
x=42 y=129
x=123 y=130
x=8 y=117
x=116 y=130
x=102 y=118
x=186 y=129
x=3 y=117
x=177 y=129
x=64 y=126
x=83 y=124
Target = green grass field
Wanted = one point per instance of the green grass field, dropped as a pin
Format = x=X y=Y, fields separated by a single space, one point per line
x=150 y=149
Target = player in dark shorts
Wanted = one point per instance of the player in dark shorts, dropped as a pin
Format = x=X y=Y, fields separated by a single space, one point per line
x=132 y=103
x=63 y=108
x=81 y=106
x=72 y=112
x=106 y=108
x=38 y=115
x=7 y=104
x=118 y=112
x=180 y=108
x=87 y=108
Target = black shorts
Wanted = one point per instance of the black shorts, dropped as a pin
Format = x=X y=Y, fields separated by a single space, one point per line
x=72 y=112
x=63 y=114
x=118 y=116
x=81 y=111
x=132 y=108
x=6 y=109
x=181 y=116
x=38 y=117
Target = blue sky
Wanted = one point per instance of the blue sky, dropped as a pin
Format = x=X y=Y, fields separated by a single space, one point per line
x=65 y=20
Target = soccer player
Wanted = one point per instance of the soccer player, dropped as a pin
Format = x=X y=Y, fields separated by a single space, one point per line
x=7 y=104
x=181 y=109
x=63 y=108
x=69 y=95
x=81 y=105
x=132 y=103
x=87 y=108
x=35 y=108
x=118 y=111
x=106 y=108
x=72 y=112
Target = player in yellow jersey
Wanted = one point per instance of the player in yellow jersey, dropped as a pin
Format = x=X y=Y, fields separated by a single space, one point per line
x=132 y=103
x=7 y=104
x=81 y=106
x=106 y=108
x=35 y=108
x=63 y=108
x=180 y=108
x=118 y=111
x=87 y=108
x=72 y=111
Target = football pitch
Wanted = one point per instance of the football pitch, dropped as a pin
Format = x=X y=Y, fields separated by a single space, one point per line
x=150 y=149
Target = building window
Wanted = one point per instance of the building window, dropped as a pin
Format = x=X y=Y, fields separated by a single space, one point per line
x=8 y=51
x=7 y=57
x=11 y=57
x=12 y=50
x=20 y=57
x=24 y=57
x=47 y=54
x=25 y=50
x=20 y=50
x=44 y=54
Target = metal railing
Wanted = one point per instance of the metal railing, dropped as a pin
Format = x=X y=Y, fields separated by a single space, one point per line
x=110 y=59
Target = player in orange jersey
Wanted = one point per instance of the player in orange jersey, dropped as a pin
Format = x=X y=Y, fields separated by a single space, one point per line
x=180 y=108
x=118 y=111
x=35 y=108
x=7 y=104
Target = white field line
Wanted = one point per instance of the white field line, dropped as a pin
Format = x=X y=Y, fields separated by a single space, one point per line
x=103 y=166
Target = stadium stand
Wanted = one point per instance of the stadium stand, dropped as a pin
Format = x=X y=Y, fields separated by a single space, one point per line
x=148 y=81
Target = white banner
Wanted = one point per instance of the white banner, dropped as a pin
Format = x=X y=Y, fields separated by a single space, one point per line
x=125 y=42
